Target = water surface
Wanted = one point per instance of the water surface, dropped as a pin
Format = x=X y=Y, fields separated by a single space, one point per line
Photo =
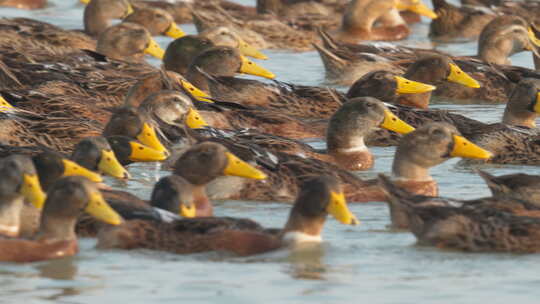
x=366 y=264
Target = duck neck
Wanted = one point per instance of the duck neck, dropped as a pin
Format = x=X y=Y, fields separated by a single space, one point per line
x=405 y=169
x=300 y=229
x=519 y=117
x=351 y=154
x=496 y=52
x=202 y=203
x=10 y=216
x=54 y=228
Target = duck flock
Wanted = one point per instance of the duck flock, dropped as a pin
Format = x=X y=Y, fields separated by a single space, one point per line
x=79 y=104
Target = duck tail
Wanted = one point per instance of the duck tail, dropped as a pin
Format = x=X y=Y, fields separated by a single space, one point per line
x=495 y=185
x=331 y=61
x=326 y=39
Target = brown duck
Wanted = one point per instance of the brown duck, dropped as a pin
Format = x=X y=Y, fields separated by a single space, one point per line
x=319 y=197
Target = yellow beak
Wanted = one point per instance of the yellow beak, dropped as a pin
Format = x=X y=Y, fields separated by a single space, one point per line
x=537 y=103
x=194 y=120
x=188 y=211
x=111 y=166
x=4 y=105
x=142 y=153
x=85 y=1
x=465 y=148
x=237 y=167
x=193 y=90
x=339 y=210
x=129 y=9
x=532 y=37
x=174 y=31
x=250 y=51
x=406 y=86
x=73 y=169
x=393 y=123
x=416 y=7
x=249 y=67
x=154 y=49
x=458 y=76
x=31 y=190
x=98 y=208
x=149 y=137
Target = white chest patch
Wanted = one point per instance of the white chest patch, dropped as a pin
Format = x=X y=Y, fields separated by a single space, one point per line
x=357 y=145
x=295 y=237
x=9 y=229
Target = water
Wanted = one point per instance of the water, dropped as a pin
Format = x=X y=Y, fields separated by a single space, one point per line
x=359 y=264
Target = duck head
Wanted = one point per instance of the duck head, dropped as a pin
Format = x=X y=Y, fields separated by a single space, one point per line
x=128 y=41
x=428 y=146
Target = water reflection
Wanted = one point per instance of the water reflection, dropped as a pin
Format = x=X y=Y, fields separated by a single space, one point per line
x=59 y=269
x=306 y=262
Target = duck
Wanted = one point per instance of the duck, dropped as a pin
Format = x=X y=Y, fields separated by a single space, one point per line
x=513 y=193
x=20 y=183
x=183 y=193
x=312 y=102
x=496 y=224
x=360 y=16
x=513 y=141
x=495 y=78
x=319 y=197
x=66 y=200
x=455 y=23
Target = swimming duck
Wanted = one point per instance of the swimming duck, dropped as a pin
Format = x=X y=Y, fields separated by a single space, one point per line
x=455 y=22
x=312 y=101
x=319 y=197
x=513 y=193
x=482 y=225
x=56 y=237
x=20 y=183
x=360 y=16
x=428 y=146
